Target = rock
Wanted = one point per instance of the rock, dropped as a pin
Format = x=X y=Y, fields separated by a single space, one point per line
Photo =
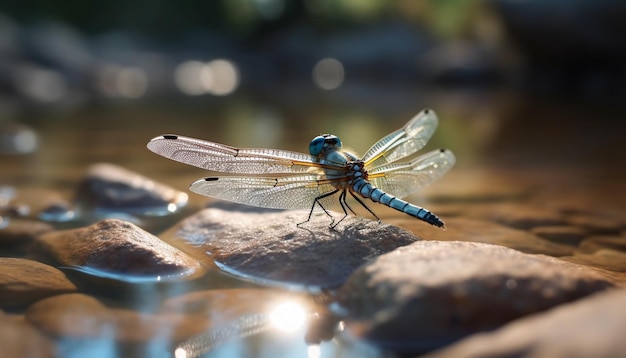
x=475 y=230
x=590 y=327
x=562 y=234
x=19 y=338
x=110 y=187
x=594 y=224
x=601 y=242
x=57 y=211
x=431 y=293
x=23 y=282
x=39 y=203
x=520 y=216
x=118 y=249
x=269 y=248
x=80 y=316
x=16 y=231
x=606 y=259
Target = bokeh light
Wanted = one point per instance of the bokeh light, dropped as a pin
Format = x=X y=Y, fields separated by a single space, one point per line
x=40 y=84
x=218 y=77
x=132 y=82
x=328 y=74
x=187 y=77
x=224 y=77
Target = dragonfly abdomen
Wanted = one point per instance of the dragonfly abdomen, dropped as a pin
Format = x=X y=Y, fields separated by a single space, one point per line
x=367 y=190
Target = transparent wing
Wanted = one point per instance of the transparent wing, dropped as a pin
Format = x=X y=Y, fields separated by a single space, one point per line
x=294 y=192
x=403 y=142
x=227 y=159
x=402 y=179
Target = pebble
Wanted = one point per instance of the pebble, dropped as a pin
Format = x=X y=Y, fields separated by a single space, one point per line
x=23 y=282
x=111 y=187
x=606 y=259
x=269 y=248
x=477 y=230
x=591 y=327
x=430 y=293
x=519 y=216
x=41 y=204
x=602 y=242
x=117 y=249
x=595 y=224
x=18 y=338
x=17 y=231
x=562 y=234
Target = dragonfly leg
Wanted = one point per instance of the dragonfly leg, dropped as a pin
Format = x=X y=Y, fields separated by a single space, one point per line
x=344 y=205
x=317 y=201
x=365 y=206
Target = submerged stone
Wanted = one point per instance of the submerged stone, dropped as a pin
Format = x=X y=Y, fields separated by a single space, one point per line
x=23 y=282
x=18 y=338
x=269 y=247
x=430 y=293
x=120 y=250
x=17 y=231
x=110 y=187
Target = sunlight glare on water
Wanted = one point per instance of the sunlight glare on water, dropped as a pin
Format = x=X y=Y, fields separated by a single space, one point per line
x=287 y=317
x=314 y=351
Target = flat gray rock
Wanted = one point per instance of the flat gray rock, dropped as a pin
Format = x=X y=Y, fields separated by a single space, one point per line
x=430 y=293
x=111 y=187
x=591 y=327
x=269 y=247
x=120 y=250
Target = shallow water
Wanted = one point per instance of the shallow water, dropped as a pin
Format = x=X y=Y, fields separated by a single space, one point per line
x=513 y=154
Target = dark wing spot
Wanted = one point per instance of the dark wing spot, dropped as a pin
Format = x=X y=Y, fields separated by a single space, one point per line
x=442 y=150
x=170 y=136
x=211 y=179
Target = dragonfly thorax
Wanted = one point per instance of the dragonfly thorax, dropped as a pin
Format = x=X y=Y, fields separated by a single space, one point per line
x=323 y=144
x=356 y=170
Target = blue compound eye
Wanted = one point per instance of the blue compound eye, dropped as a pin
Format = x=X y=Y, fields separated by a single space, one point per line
x=332 y=141
x=316 y=145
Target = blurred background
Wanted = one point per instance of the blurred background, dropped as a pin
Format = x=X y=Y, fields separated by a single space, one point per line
x=515 y=82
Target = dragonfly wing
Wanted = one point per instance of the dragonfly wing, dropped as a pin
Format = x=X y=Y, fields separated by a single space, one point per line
x=293 y=192
x=227 y=159
x=402 y=179
x=403 y=142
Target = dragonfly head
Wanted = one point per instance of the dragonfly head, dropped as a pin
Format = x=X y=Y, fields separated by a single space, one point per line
x=323 y=143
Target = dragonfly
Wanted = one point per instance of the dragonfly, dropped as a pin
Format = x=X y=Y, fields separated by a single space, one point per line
x=281 y=179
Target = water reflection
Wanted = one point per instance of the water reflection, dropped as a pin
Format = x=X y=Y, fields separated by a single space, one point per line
x=283 y=318
x=287 y=317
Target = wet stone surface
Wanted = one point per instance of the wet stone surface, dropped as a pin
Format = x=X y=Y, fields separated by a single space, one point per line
x=111 y=187
x=590 y=327
x=23 y=282
x=19 y=338
x=430 y=293
x=18 y=232
x=268 y=247
x=118 y=249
